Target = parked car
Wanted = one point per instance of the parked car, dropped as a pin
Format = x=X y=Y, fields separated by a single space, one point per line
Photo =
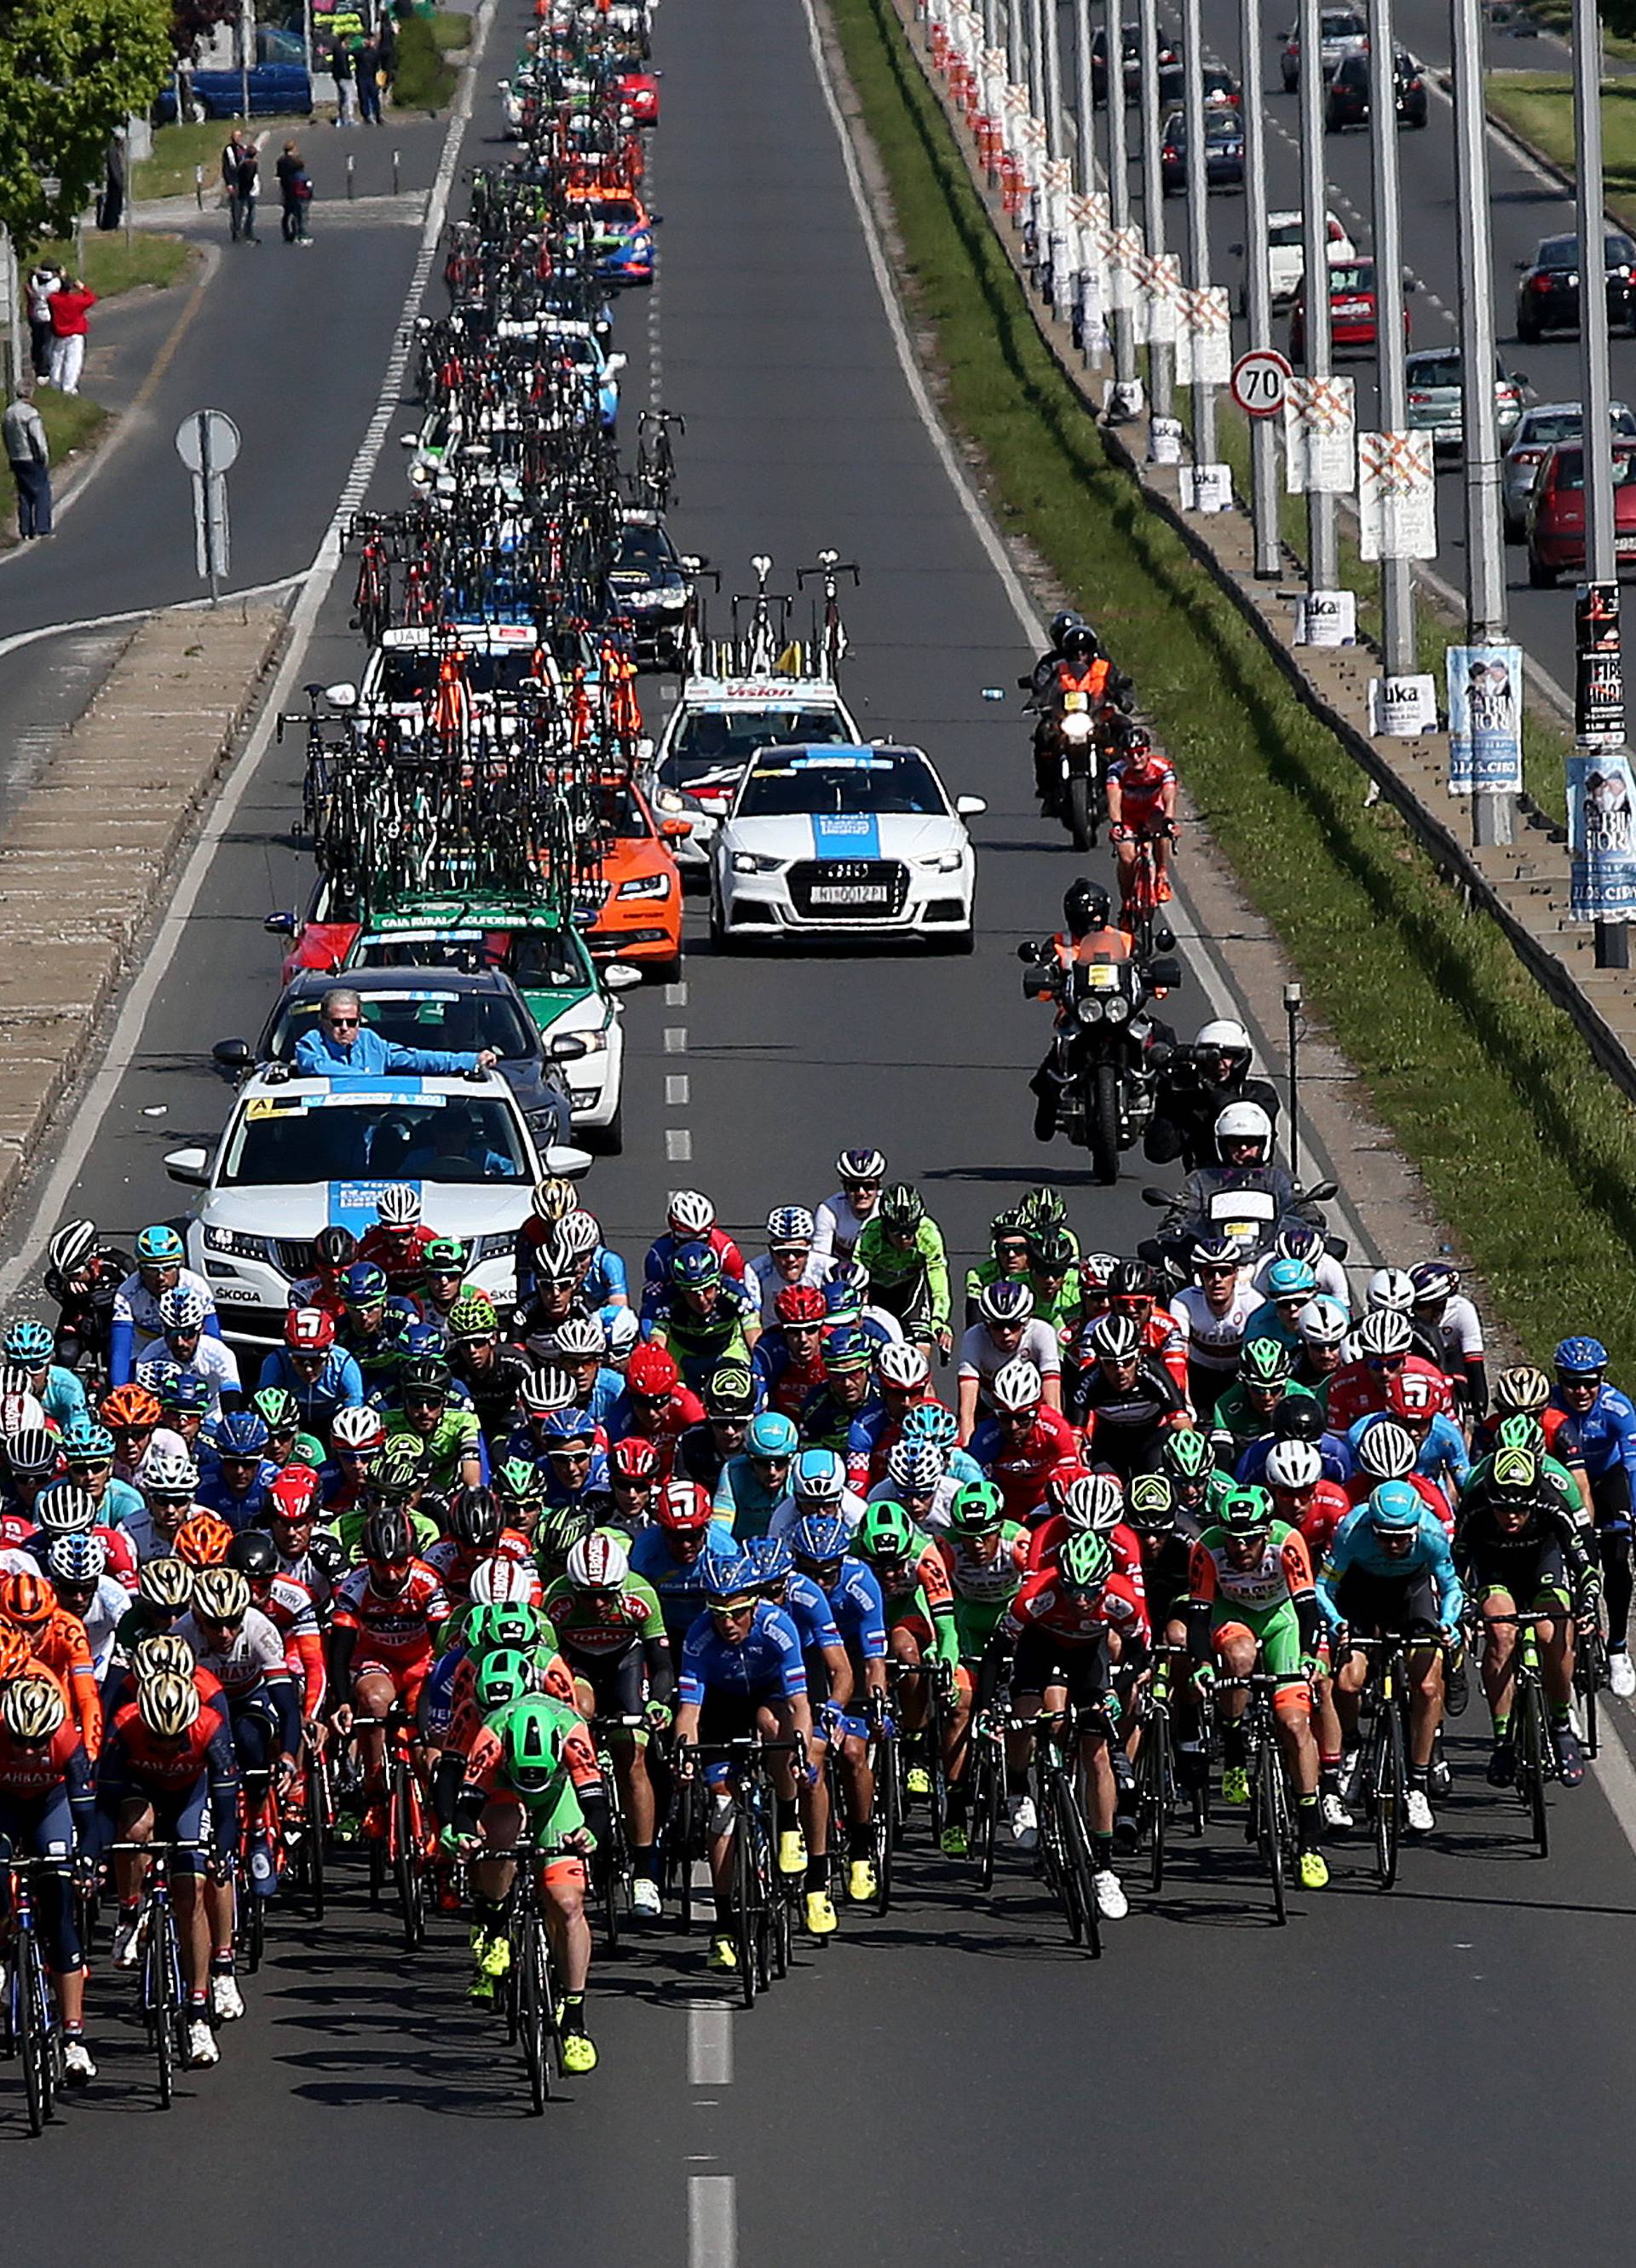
x=1547 y=297
x=1346 y=102
x=1556 y=513
x=1435 y=405
x=1342 y=32
x=1533 y=438
x=280 y=84
x=1223 y=150
x=1352 y=310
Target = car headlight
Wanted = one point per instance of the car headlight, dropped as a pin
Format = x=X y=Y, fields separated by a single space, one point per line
x=237 y=1244
x=596 y=1044
x=541 y=1124
x=752 y=861
x=494 y=1247
x=1090 y=1012
x=1117 y=1010
x=947 y=862
x=646 y=886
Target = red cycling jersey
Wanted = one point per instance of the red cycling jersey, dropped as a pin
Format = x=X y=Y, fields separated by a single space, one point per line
x=1022 y=1463
x=1077 y=1618
x=27 y=1773
x=1141 y=794
x=396 y=1629
x=289 y=1606
x=1356 y=1391
x=455 y=1563
x=166 y=1767
x=1046 y=1542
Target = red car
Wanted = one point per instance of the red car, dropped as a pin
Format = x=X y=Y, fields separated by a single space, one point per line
x=1353 y=313
x=639 y=91
x=1556 y=513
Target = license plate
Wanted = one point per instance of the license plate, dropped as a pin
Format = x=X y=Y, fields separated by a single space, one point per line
x=850 y=893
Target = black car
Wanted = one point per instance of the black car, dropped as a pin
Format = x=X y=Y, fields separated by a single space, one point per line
x=1223 y=149
x=452 y=1009
x=1547 y=297
x=1130 y=63
x=1346 y=101
x=648 y=584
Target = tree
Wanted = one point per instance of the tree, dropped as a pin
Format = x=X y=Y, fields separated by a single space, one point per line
x=70 y=72
x=192 y=19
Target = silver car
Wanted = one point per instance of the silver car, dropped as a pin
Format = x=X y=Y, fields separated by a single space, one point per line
x=1435 y=405
x=1535 y=434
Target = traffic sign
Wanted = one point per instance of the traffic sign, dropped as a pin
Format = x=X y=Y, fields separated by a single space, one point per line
x=1258 y=380
x=207 y=439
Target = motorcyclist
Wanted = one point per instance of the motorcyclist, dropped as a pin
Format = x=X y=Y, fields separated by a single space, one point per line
x=1090 y=936
x=1195 y=1087
x=1243 y=1150
x=1080 y=667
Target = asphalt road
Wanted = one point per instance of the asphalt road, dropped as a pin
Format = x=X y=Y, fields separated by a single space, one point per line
x=1525 y=205
x=1452 y=2063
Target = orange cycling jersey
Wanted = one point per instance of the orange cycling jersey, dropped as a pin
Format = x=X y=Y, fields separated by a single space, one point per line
x=61 y=1644
x=394 y=1627
x=466 y=1718
x=484 y=1766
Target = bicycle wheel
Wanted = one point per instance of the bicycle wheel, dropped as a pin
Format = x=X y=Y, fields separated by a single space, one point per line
x=312 y=1840
x=987 y=1777
x=883 y=1821
x=1153 y=1777
x=1079 y=1888
x=406 y=1875
x=1590 y=1666
x=1530 y=1761
x=32 y=2026
x=1270 y=1822
x=159 y=1993
x=746 y=1894
x=1388 y=1790
x=531 y=2011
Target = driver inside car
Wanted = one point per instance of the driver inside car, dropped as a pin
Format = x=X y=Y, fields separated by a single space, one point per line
x=455 y=1137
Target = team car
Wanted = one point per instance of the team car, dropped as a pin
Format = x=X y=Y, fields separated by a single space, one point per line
x=858 y=839
x=621 y=229
x=298 y=1154
x=713 y=731
x=648 y=585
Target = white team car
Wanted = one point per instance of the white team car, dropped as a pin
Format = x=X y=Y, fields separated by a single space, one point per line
x=300 y=1154
x=715 y=728
x=844 y=840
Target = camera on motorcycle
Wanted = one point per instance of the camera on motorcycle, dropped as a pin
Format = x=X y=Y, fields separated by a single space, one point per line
x=1163 y=1199
x=1164 y=974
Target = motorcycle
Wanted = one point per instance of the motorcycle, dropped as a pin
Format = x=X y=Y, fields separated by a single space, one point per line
x=1100 y=1064
x=1249 y=1218
x=1072 y=741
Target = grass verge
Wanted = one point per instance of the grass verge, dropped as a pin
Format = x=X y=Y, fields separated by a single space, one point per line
x=1539 y=107
x=452 y=29
x=112 y=266
x=423 y=80
x=1526 y=1150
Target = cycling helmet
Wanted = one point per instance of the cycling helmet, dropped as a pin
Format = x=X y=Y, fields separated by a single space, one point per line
x=1245 y=1512
x=1017 y=1385
x=521 y=1481
x=729 y=1392
x=564 y=1427
x=820 y=1537
x=531 y=1734
x=546 y=1389
x=358 y=1428
x=553 y=1198
x=162 y=1651
x=72 y=1247
x=1207 y=1251
x=1390 y=1287
x=254 y=1555
x=579 y=1338
x=77 y=1558
x=33 y=1709
x=1299 y=1418
x=818 y=1476
x=902 y=1367
x=168 y=1703
x=293 y=1493
x=1516 y=1471
x=365 y=1284
x=130 y=1407
x=423 y=1376
x=1523 y=1389
x=170 y=1475
x=1085 y=1563
x=623 y=1329
x=471 y=1317
x=931 y=1422
x=1293 y=1465
x=31 y=1344
x=85 y=1442
x=914 y=1467
x=505 y=1676
x=848 y=1348
x=474 y=1520
x=1086 y=906
x=682 y=1508
x=843 y=1298
x=1385 y=1331
x=65 y=1509
x=789 y=1225
x=1394 y=1508
x=1433 y=1280
x=1517 y=1432
x=220 y=1594
x=554 y=1258
x=885 y=1532
x=186 y=1394
x=335 y=1247
x=634 y=1459
x=1116 y=1338
x=277 y=1408
x=1051 y=1252
x=773 y=1561
x=1580 y=1358
x=1006 y=1302
x=444 y=1255
x=978 y=1508
x=581 y=1234
x=800 y=1303
x=160 y=1246
x=1290 y=1280
x=398 y=1206
x=691 y=1214
x=1133 y=1280
x=1095 y=1271
x=1095 y=1502
x=165 y=1583
x=309 y=1330
x=856 y=1165
x=397 y=1470
x=30 y=1452
x=901 y=1209
x=204 y=1541
x=730 y=1579
x=695 y=1268
x=500 y=1580
x=1152 y=1507
x=1243 y=1121
x=652 y=1372
x=496 y=1626
x=598 y=1562
x=1222 y=1036
x=771 y=1434
x=388 y=1540
x=154 y=1372
x=1187 y=1455
x=1323 y=1323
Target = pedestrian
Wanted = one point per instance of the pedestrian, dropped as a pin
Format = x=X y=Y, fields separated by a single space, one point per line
x=369 y=69
x=340 y=70
x=247 y=188
x=70 y=307
x=231 y=153
x=295 y=187
x=387 y=38
x=29 y=455
x=43 y=281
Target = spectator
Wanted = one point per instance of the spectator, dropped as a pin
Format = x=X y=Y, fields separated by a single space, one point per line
x=340 y=70
x=46 y=279
x=387 y=36
x=248 y=184
x=295 y=187
x=70 y=307
x=232 y=155
x=29 y=456
x=369 y=68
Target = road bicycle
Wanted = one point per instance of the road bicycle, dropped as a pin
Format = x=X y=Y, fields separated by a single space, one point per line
x=401 y=1852
x=1140 y=885
x=1271 y=1823
x=613 y=1869
x=162 y=1995
x=762 y=1922
x=32 y=2035
x=1160 y=1796
x=1064 y=1849
x=530 y=1997
x=1385 y=1776
x=1531 y=1718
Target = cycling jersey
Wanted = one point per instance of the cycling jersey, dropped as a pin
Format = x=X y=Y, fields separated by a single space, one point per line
x=808 y=1607
x=1122 y=1424
x=901 y=1279
x=766 y=1664
x=455 y=1563
x=981 y=1359
x=1355 y=1390
x=679 y=1587
x=1279 y=1574
x=1545 y=1552
x=656 y=1268
x=600 y=1625
x=456 y=1438
x=859 y=1611
x=1606 y=1433
x=785 y=1384
x=1020 y=1463
x=240 y=1508
x=1074 y=1619
x=1141 y=794
x=137 y=1332
x=701 y=1342
x=983 y=1589
x=826 y=1423
x=1210 y=1341
x=1354 y=1547
x=743 y=1501
x=394 y=1629
x=289 y=1606
x=337 y=1386
x=61 y=1645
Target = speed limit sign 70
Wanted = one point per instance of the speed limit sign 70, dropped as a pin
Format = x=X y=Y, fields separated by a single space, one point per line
x=1259 y=380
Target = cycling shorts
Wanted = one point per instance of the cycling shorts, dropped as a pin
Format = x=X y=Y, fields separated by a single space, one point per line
x=505 y=1817
x=617 y=1685
x=408 y=1677
x=1539 y=1580
x=1611 y=1500
x=915 y=1625
x=183 y=1816
x=1042 y=1660
x=43 y=1827
x=1275 y=1628
x=1389 y=1605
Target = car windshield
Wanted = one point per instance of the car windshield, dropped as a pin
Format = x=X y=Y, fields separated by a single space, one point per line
x=1342 y=25
x=1563 y=252
x=1284 y=236
x=718 y=739
x=611 y=212
x=1433 y=370
x=341 y=1136
x=1348 y=277
x=621 y=813
x=642 y=547
x=535 y=959
x=1571 y=469
x=418 y=1017
x=1543 y=430
x=410 y=672
x=863 y=780
x=1221 y=126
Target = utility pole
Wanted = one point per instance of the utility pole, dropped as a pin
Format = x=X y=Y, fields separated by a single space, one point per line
x=1120 y=200
x=1396 y=575
x=1161 y=356
x=1198 y=212
x=1084 y=152
x=1034 y=10
x=1269 y=556
x=1013 y=42
x=1323 y=551
x=1613 y=950
x=1479 y=424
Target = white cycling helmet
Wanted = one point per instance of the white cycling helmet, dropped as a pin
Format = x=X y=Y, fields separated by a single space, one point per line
x=690 y=1214
x=1386 y=1450
x=167 y=1472
x=598 y=1562
x=1385 y=1331
x=359 y=1428
x=578 y=1337
x=1243 y=1121
x=901 y=1365
x=1322 y=1322
x=1293 y=1465
x=1392 y=1288
x=1017 y=1385
x=1096 y=1502
x=398 y=1206
x=181 y=1309
x=500 y=1582
x=624 y=1329
x=581 y=1232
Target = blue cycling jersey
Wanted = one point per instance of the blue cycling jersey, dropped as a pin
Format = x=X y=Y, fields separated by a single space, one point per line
x=764 y=1666
x=596 y=1484
x=239 y=1511
x=860 y=1611
x=606 y=1284
x=743 y=1501
x=808 y=1607
x=1606 y=1433
x=1355 y=1545
x=1334 y=1448
x=337 y=1386
x=680 y=1589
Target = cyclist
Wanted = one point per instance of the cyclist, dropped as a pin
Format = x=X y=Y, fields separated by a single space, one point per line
x=579 y=1346
x=1519 y=1551
x=356 y=1437
x=729 y=1401
x=840 y=1219
x=473 y=1533
x=1323 y=1327
x=1006 y=1330
x=921 y=1633
x=839 y=1414
x=1605 y=1430
x=669 y=1555
x=702 y=1316
x=1382 y=1354
x=68 y=1508
x=1300 y=1418
x=88 y=1453
x=576 y=1469
x=398 y=1239
x=984 y=1557
x=901 y=1250
x=28 y=1346
x=818 y=1544
x=1441 y=1307
x=1253 y=1603
x=1389 y=1574
x=633 y=1478
x=1141 y=787
x=135 y=1329
x=829 y=1687
x=388 y=1616
x=1166 y=1533
x=491 y=1375
x=448 y=1440
x=690 y=1218
x=788 y=1256
x=1249 y=1409
x=753 y=1483
x=1211 y=1313
x=335 y=1249
x=788 y=1359
x=1007 y=1261
x=83 y=1274
x=46 y=1797
x=903 y=1384
x=57 y=1641
x=742 y=1673
x=817 y=1483
x=1519 y=1432
x=182 y=1314
x=318 y=1376
x=1025 y=1441
x=244 y=1650
x=1127 y=1402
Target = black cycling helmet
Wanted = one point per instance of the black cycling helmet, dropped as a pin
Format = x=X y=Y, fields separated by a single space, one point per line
x=901 y=1208
x=254 y=1554
x=388 y=1538
x=1086 y=905
x=474 y=1520
x=335 y=1247
x=1299 y=1418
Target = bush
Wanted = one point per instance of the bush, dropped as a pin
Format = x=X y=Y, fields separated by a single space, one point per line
x=423 y=80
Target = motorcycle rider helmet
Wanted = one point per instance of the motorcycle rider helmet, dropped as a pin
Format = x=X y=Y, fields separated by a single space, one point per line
x=1081 y=645
x=1243 y=1123
x=1086 y=906
x=1062 y=622
x=1222 y=1036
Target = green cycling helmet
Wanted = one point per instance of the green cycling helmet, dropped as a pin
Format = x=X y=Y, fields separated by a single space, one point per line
x=399 y=1471
x=1245 y=1512
x=531 y=1736
x=1266 y=1362
x=977 y=1509
x=1085 y=1563
x=520 y=1480
x=506 y=1675
x=471 y=1317
x=901 y=1209
x=1188 y=1454
x=444 y=1255
x=1044 y=1209
x=1516 y=1472
x=1521 y=1431
x=885 y=1532
x=502 y=1625
x=277 y=1408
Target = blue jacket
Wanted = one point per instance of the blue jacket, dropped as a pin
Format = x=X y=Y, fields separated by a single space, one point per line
x=337 y=1386
x=318 y=1055
x=1353 y=1545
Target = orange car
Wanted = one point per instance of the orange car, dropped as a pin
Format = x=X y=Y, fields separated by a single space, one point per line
x=638 y=918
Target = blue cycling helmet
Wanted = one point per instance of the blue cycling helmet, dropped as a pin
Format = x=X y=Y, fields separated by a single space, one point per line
x=1394 y=1508
x=820 y=1536
x=574 y=1425
x=819 y=1477
x=1579 y=1358
x=185 y=1390
x=160 y=1246
x=841 y=1301
x=931 y=1423
x=773 y=1559
x=695 y=1268
x=772 y=1434
x=244 y=1435
x=1290 y=1280
x=156 y=1373
x=29 y=1344
x=85 y=1442
x=847 y=1349
x=363 y=1284
x=730 y=1577
x=421 y=1340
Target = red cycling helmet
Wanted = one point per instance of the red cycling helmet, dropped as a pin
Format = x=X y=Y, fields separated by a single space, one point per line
x=295 y=1492
x=800 y=1303
x=683 y=1509
x=309 y=1330
x=652 y=1370
x=634 y=1459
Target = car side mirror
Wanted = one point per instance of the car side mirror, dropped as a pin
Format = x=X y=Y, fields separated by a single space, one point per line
x=1519 y=377
x=622 y=976
x=1164 y=939
x=409 y=440
x=970 y=806
x=233 y=1055
x=190 y=1166
x=343 y=696
x=568 y=1047
x=567 y=1163
x=674 y=829
x=281 y=924
x=1164 y=974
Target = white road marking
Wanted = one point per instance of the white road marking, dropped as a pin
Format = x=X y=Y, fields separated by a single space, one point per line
x=709 y=2044
x=676 y=995
x=678 y=1088
x=677 y=1146
x=712 y=2221
x=676 y=1039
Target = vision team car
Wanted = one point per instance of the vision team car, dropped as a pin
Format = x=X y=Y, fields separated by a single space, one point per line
x=859 y=839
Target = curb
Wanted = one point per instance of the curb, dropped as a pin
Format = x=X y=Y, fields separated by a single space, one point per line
x=1519 y=144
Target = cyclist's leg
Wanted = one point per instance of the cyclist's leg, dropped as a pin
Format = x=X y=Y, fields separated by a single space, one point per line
x=1233 y=1641
x=1499 y=1655
x=1610 y=1503
x=373 y=1692
x=563 y=1903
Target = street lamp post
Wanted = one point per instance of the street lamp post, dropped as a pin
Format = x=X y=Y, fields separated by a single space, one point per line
x=1125 y=377
x=1161 y=356
x=1397 y=639
x=1034 y=13
x=1258 y=289
x=1323 y=551
x=1198 y=213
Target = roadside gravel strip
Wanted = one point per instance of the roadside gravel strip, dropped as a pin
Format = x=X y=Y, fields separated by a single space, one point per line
x=87 y=856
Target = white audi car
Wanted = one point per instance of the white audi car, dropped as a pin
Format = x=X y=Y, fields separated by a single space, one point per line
x=854 y=840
